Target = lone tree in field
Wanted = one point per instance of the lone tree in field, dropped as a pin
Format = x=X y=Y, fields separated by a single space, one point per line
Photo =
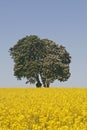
x=40 y=61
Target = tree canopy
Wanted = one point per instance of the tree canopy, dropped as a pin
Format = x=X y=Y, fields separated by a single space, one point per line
x=40 y=61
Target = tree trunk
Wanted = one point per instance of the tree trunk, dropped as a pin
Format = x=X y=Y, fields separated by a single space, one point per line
x=38 y=84
x=48 y=85
x=43 y=80
x=45 y=84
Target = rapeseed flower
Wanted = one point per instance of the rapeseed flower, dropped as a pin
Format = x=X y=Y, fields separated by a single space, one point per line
x=43 y=109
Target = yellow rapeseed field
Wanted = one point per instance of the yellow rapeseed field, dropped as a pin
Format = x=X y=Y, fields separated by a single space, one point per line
x=43 y=109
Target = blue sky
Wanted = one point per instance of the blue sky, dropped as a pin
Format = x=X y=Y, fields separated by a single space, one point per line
x=63 y=21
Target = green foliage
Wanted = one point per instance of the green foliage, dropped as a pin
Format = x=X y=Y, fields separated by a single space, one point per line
x=40 y=61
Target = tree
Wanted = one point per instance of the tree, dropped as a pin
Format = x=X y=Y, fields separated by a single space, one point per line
x=40 y=61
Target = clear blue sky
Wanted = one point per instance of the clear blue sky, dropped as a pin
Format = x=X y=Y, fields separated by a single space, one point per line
x=63 y=21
